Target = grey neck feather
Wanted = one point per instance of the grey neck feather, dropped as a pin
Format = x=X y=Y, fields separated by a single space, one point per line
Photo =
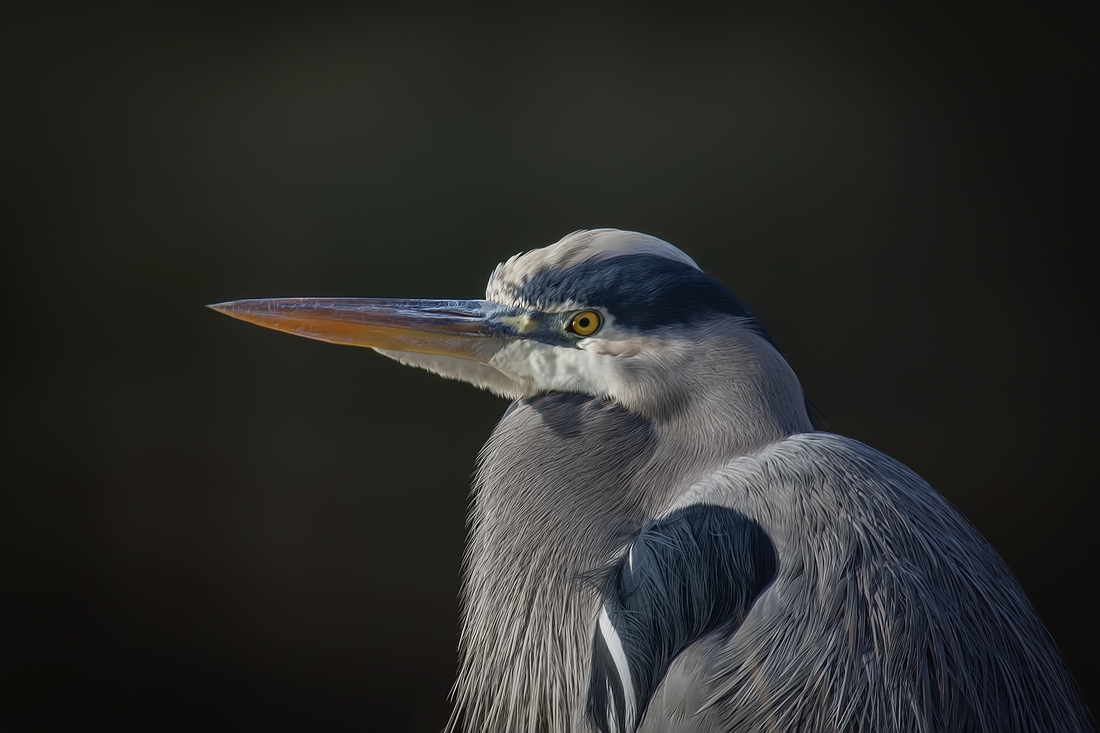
x=563 y=484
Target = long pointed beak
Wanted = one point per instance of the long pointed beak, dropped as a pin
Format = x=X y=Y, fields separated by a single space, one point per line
x=468 y=329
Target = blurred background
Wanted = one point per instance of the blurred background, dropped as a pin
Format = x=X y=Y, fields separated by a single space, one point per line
x=209 y=525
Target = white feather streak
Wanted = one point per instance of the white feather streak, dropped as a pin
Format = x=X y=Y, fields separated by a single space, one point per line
x=618 y=655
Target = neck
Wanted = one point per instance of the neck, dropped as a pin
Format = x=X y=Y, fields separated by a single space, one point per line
x=564 y=483
x=541 y=525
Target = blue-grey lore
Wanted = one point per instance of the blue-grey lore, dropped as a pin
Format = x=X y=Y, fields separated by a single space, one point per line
x=660 y=540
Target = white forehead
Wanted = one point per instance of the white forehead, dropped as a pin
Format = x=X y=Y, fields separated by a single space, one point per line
x=581 y=246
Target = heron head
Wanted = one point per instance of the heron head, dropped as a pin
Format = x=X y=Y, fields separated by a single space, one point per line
x=619 y=315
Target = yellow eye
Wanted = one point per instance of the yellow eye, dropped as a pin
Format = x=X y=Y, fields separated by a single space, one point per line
x=585 y=323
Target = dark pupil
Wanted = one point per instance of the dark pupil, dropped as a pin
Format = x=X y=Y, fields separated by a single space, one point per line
x=583 y=323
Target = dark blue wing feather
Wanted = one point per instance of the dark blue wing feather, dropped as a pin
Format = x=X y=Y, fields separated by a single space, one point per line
x=694 y=573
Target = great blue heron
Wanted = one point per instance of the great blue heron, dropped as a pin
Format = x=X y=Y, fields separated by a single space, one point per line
x=661 y=541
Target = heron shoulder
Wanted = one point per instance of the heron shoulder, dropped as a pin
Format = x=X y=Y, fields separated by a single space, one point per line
x=826 y=498
x=881 y=576
x=819 y=467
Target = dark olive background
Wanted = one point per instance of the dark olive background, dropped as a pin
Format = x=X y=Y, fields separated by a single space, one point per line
x=209 y=525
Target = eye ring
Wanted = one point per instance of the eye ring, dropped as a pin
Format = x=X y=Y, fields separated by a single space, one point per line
x=585 y=323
